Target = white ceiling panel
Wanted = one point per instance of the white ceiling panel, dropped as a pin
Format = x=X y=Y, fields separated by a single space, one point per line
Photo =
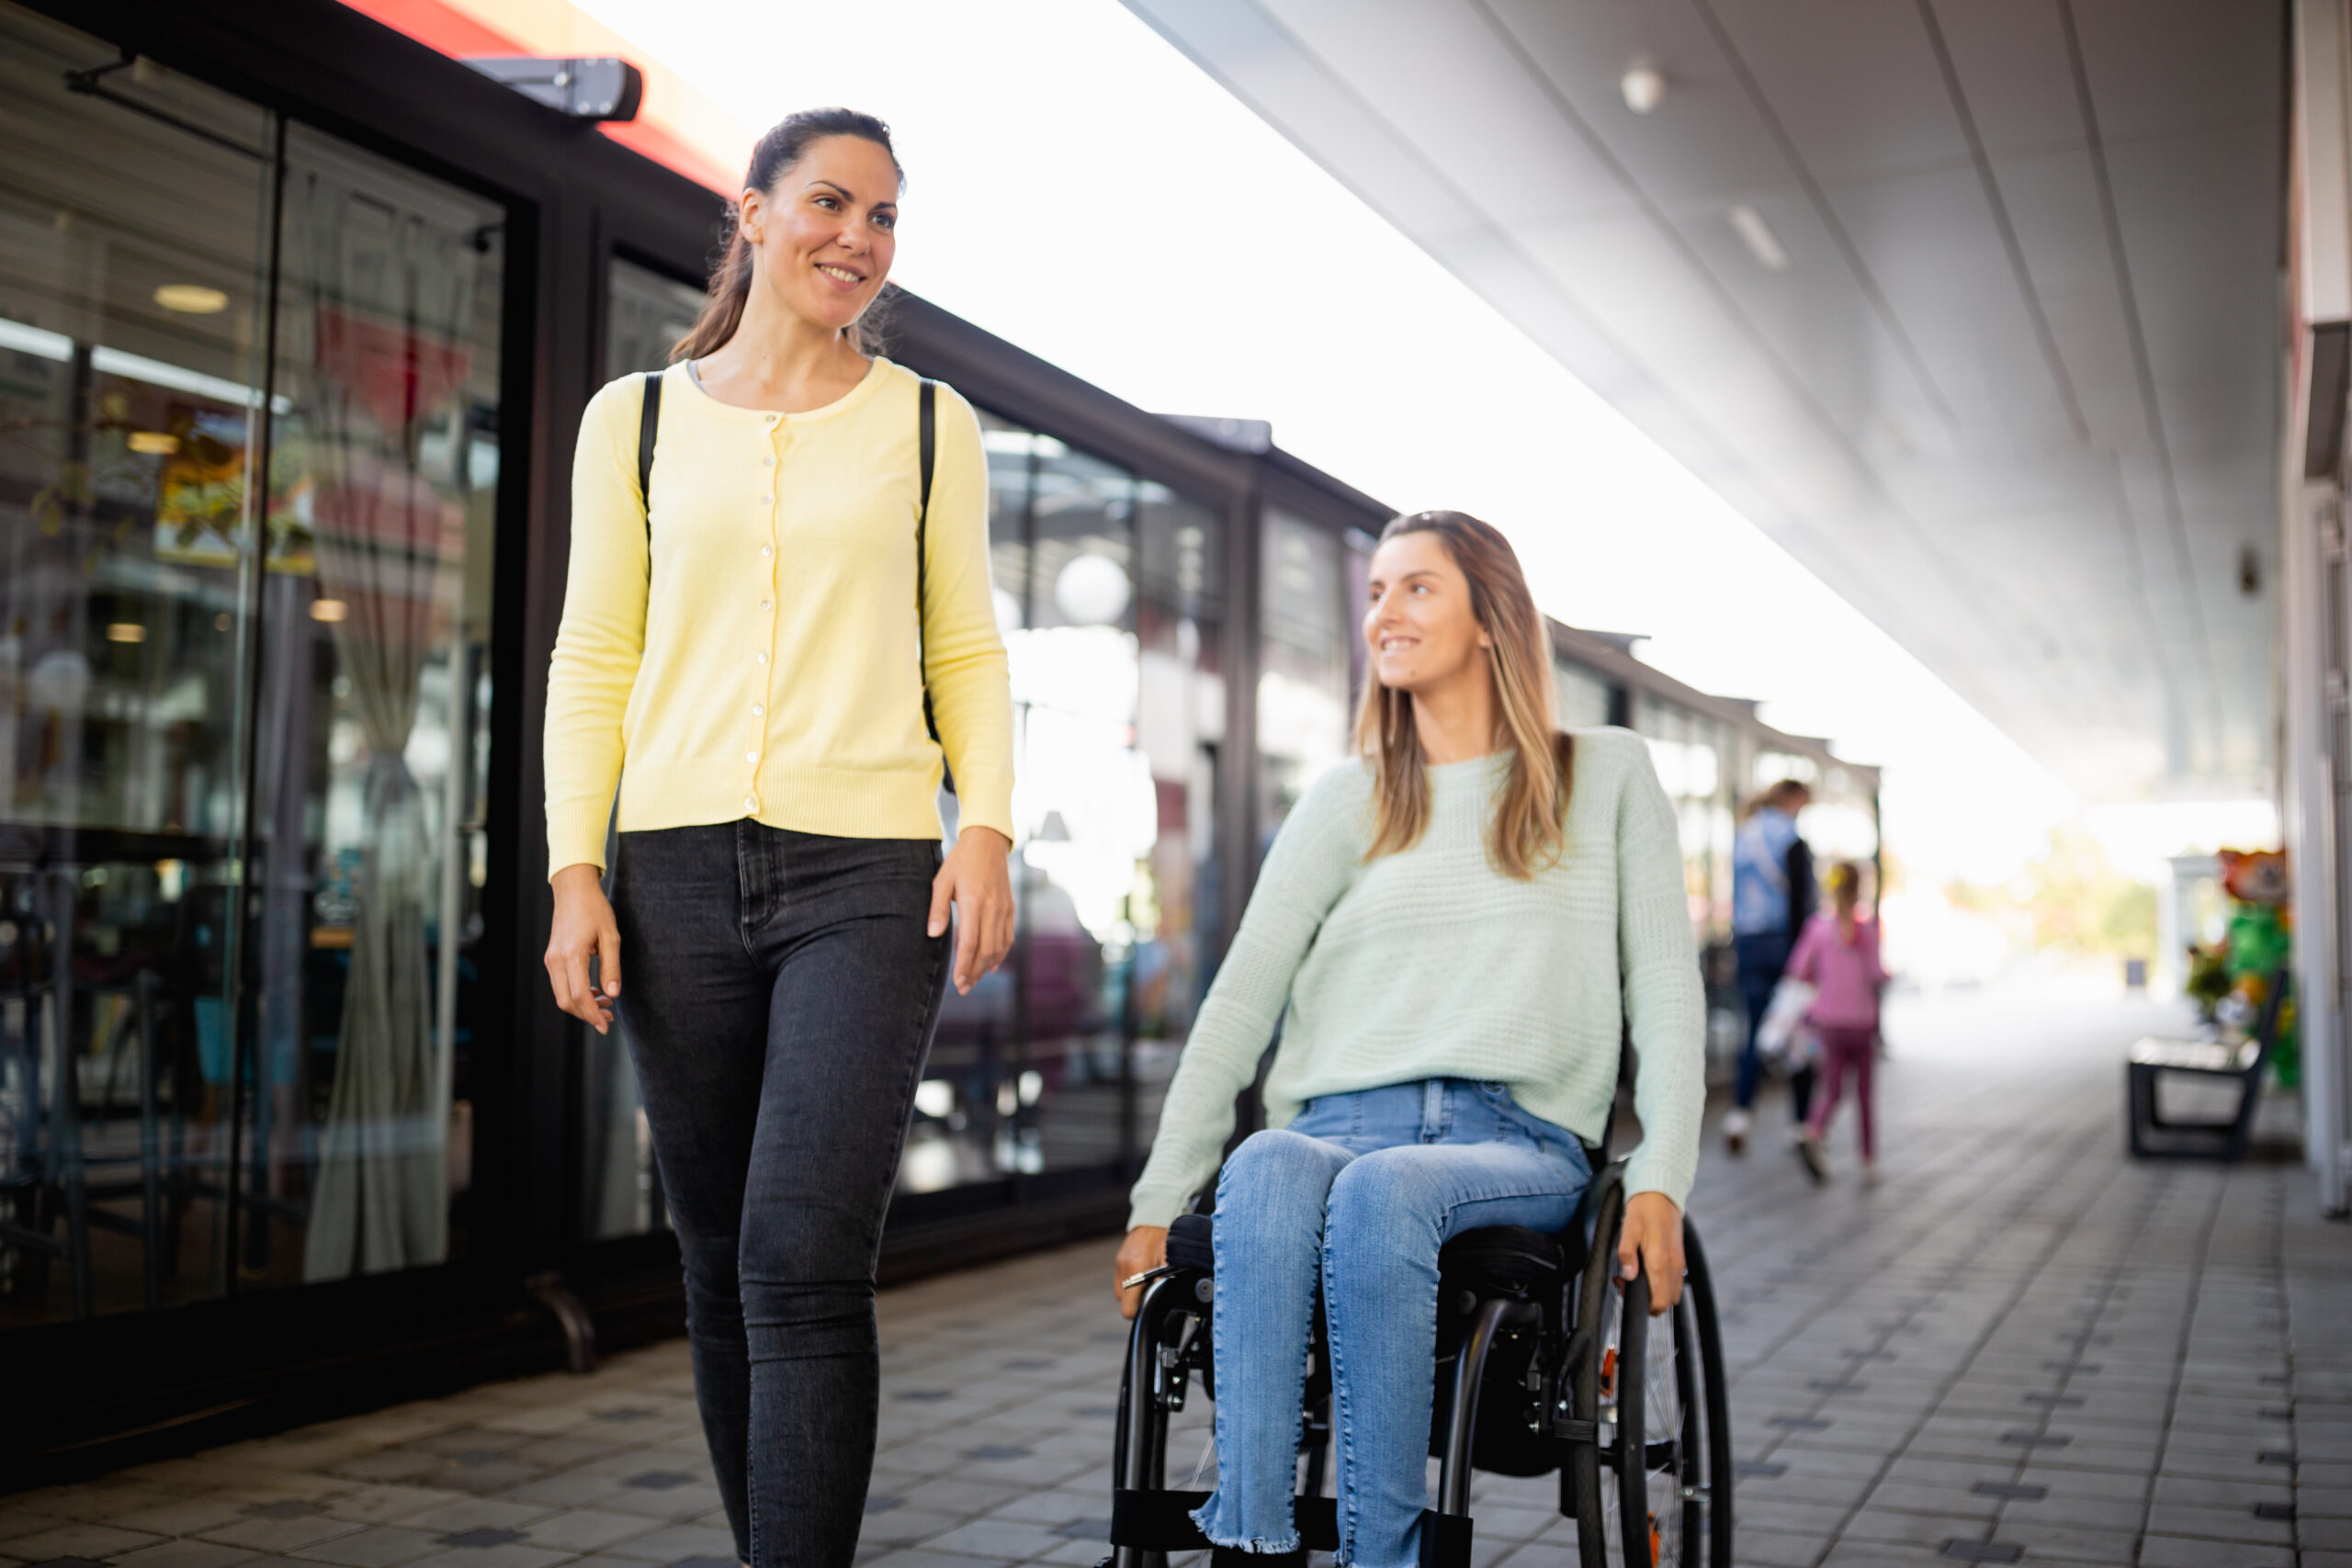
x=2015 y=395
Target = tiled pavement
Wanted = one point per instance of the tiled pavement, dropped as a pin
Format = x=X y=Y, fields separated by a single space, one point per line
x=2020 y=1347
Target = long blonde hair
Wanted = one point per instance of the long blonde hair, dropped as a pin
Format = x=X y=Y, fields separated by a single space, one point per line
x=1528 y=829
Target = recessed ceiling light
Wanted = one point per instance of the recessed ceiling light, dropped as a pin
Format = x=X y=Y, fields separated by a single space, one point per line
x=191 y=299
x=1643 y=85
x=126 y=631
x=154 y=443
x=1762 y=243
x=328 y=610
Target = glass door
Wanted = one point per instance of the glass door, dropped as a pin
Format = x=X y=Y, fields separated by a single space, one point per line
x=373 y=716
x=248 y=460
x=133 y=230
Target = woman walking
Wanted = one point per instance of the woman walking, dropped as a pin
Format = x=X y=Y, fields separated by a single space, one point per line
x=1837 y=955
x=1447 y=931
x=1771 y=898
x=747 y=647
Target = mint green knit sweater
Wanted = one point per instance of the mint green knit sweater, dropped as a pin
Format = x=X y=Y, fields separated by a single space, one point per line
x=1432 y=963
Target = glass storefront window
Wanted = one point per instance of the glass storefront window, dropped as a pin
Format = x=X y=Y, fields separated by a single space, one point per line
x=132 y=296
x=1582 y=696
x=1106 y=587
x=1179 y=729
x=620 y=1190
x=1304 y=721
x=246 y=603
x=374 y=720
x=1840 y=824
x=1687 y=749
x=645 y=313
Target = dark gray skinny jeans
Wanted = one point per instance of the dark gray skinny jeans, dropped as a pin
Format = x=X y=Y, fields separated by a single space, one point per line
x=779 y=992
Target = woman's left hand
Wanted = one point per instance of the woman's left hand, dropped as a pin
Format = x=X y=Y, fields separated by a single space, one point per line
x=975 y=880
x=1651 y=1240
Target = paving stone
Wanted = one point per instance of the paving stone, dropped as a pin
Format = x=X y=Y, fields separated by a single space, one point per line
x=476 y=1513
x=2180 y=1551
x=511 y=1554
x=80 y=1540
x=378 y=1546
x=671 y=1543
x=186 y=1554
x=905 y=1527
x=267 y=1533
x=926 y=1557
x=186 y=1515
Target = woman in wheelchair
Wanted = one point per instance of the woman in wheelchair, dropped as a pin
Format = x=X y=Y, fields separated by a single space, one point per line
x=1444 y=931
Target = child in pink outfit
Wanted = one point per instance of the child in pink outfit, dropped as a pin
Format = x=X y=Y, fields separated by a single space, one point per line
x=1838 y=954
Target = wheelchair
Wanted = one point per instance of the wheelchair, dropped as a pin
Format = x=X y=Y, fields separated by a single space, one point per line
x=1545 y=1362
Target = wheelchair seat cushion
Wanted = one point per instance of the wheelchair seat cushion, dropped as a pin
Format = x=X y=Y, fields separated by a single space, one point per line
x=1501 y=1259
x=1188 y=1242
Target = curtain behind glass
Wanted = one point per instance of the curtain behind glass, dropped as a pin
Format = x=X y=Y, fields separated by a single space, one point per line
x=388 y=346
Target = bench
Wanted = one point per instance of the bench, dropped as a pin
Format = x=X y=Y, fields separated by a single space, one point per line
x=2155 y=1137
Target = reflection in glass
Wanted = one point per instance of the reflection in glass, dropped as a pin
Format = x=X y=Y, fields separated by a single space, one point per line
x=1582 y=696
x=1686 y=749
x=1179 y=728
x=130 y=248
x=1303 y=718
x=373 y=720
x=645 y=313
x=1106 y=589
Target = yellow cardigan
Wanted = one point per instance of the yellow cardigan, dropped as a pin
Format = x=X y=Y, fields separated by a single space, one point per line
x=768 y=668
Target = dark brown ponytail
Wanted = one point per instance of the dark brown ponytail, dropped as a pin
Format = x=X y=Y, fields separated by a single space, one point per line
x=731 y=281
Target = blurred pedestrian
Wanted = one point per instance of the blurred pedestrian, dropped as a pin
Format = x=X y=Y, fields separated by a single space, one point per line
x=1771 y=897
x=1837 y=955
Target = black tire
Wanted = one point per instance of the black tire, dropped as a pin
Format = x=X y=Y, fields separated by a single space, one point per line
x=1657 y=1493
x=1632 y=1526
x=1582 y=1474
x=1699 y=1295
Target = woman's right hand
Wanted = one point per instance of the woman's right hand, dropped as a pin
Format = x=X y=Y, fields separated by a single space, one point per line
x=1145 y=1249
x=583 y=929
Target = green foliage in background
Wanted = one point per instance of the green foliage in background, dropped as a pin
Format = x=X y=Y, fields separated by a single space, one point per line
x=2070 y=899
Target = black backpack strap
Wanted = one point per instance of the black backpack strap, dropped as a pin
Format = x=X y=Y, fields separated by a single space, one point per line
x=927 y=444
x=648 y=425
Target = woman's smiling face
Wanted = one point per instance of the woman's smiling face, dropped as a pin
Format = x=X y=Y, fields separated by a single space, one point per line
x=825 y=236
x=1418 y=626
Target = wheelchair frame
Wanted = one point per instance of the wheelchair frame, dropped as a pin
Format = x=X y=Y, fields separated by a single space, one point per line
x=1540 y=1379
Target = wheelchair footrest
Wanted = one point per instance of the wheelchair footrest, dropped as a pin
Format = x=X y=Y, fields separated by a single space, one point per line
x=1155 y=1521
x=1445 y=1539
x=1162 y=1521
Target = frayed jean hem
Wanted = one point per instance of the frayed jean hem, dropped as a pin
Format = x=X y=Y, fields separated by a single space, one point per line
x=1256 y=1548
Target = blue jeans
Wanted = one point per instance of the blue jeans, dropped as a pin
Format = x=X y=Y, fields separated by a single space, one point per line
x=1359 y=1192
x=780 y=990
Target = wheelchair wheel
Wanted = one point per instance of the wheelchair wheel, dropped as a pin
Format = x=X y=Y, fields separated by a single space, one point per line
x=1658 y=1405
